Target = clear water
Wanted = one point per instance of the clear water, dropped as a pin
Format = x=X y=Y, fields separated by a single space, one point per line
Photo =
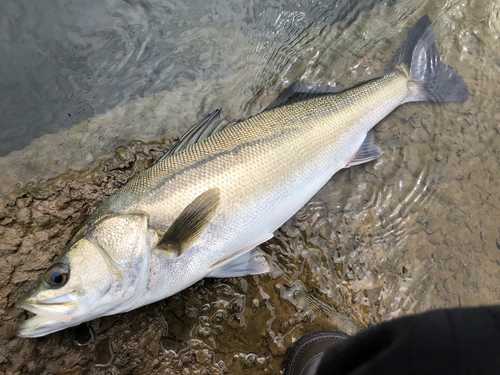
x=414 y=231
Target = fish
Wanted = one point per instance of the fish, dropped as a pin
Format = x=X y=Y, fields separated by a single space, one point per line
x=223 y=189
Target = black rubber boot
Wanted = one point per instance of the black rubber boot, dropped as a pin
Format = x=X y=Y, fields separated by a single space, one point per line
x=306 y=353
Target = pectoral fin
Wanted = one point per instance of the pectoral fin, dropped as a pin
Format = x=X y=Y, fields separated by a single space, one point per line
x=191 y=222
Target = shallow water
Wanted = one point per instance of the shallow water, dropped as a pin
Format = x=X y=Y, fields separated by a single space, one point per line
x=413 y=231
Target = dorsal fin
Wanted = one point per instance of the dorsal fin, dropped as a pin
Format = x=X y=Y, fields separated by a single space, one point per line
x=300 y=91
x=213 y=123
x=208 y=125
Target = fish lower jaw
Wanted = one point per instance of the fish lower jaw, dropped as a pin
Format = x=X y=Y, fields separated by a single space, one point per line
x=49 y=317
x=40 y=325
x=56 y=311
x=35 y=326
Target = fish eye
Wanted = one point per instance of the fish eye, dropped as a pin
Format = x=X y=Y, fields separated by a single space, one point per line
x=57 y=274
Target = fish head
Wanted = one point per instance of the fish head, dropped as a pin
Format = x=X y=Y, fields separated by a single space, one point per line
x=104 y=271
x=75 y=282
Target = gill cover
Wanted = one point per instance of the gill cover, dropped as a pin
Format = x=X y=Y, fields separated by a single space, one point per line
x=123 y=240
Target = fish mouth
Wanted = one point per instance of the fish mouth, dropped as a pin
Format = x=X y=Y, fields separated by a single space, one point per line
x=51 y=315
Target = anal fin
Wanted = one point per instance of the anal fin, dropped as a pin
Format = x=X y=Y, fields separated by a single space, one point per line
x=367 y=152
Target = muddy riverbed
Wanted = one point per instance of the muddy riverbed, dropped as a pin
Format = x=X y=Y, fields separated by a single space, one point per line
x=413 y=231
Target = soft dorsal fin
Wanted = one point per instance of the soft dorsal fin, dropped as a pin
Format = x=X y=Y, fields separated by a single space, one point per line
x=208 y=125
x=367 y=152
x=300 y=91
x=191 y=222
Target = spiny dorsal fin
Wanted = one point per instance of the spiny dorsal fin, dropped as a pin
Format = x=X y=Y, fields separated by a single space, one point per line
x=367 y=152
x=300 y=91
x=191 y=222
x=208 y=125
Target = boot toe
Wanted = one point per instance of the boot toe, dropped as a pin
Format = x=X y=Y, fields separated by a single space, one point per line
x=306 y=353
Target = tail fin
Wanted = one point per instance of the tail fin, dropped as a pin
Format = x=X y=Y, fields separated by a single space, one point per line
x=437 y=81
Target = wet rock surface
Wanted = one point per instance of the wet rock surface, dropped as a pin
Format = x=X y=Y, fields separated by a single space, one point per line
x=181 y=334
